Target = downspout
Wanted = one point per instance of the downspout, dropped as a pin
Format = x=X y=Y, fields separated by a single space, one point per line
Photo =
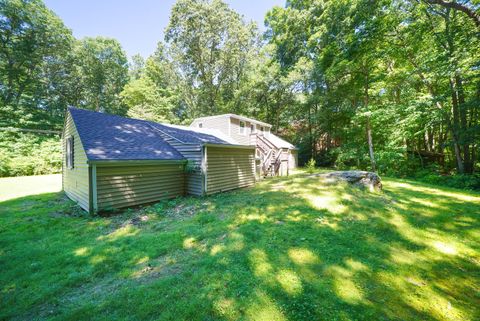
x=90 y=191
x=94 y=189
x=204 y=169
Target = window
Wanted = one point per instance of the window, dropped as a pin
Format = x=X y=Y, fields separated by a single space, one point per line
x=242 y=127
x=200 y=125
x=261 y=129
x=252 y=128
x=69 y=153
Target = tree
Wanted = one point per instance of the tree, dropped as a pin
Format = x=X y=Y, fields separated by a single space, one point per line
x=34 y=46
x=137 y=67
x=102 y=71
x=146 y=101
x=210 y=46
x=407 y=71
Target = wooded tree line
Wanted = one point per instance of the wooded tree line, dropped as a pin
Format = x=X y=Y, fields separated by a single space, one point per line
x=389 y=85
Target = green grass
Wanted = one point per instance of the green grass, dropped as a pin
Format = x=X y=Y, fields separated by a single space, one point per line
x=288 y=249
x=14 y=187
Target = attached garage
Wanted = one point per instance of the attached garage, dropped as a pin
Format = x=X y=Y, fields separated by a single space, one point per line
x=228 y=167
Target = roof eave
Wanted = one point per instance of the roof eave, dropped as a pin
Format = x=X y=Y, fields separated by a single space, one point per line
x=134 y=162
x=234 y=116
x=229 y=146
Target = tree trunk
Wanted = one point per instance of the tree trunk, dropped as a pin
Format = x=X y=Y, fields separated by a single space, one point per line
x=369 y=128
x=370 y=145
x=455 y=136
x=462 y=110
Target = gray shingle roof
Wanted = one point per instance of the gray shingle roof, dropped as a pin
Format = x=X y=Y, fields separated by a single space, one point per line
x=189 y=136
x=110 y=137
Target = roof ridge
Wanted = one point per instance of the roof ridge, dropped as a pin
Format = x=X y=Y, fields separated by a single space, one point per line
x=159 y=130
x=240 y=117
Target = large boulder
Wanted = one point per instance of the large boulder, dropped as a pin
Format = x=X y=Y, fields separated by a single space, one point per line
x=365 y=179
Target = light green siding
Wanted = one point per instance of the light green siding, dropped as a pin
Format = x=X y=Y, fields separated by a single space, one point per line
x=229 y=168
x=123 y=186
x=75 y=180
x=192 y=152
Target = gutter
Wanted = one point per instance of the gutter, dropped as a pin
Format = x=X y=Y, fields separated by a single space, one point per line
x=134 y=162
x=252 y=147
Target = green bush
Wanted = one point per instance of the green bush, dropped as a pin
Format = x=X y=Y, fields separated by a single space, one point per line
x=469 y=182
x=29 y=154
x=311 y=166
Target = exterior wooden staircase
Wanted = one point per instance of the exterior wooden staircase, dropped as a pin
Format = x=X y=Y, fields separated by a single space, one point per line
x=269 y=154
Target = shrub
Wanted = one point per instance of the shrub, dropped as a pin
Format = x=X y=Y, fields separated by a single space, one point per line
x=311 y=166
x=469 y=182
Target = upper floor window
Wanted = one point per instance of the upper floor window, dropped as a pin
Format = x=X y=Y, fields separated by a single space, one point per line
x=252 y=128
x=242 y=127
x=69 y=152
x=261 y=129
x=200 y=125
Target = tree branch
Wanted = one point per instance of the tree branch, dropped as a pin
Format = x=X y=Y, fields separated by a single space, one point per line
x=459 y=7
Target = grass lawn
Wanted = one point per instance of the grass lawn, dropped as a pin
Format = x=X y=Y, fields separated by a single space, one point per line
x=290 y=248
x=14 y=187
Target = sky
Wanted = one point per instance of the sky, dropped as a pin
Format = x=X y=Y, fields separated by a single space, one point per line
x=137 y=24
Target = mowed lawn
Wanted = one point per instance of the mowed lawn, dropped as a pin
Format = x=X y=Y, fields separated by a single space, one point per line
x=291 y=248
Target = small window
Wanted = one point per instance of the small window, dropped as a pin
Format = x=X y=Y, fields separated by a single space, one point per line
x=242 y=127
x=200 y=125
x=252 y=128
x=261 y=129
x=69 y=153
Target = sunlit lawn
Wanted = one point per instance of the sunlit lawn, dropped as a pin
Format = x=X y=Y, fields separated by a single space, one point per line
x=289 y=249
x=14 y=187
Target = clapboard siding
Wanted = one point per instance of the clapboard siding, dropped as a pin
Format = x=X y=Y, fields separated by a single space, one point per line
x=221 y=123
x=229 y=168
x=242 y=139
x=75 y=180
x=124 y=186
x=192 y=152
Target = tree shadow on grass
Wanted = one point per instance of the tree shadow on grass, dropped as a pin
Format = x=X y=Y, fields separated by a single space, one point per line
x=288 y=249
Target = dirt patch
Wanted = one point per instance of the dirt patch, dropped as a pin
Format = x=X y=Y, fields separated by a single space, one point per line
x=137 y=220
x=166 y=265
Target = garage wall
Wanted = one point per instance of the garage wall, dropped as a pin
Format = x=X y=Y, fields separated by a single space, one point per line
x=75 y=180
x=229 y=168
x=293 y=159
x=192 y=152
x=123 y=186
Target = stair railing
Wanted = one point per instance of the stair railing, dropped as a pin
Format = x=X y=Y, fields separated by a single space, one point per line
x=270 y=155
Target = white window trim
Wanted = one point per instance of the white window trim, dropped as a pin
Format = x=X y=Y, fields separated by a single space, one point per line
x=70 y=149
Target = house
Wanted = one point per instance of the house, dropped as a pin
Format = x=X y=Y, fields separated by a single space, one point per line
x=113 y=162
x=274 y=156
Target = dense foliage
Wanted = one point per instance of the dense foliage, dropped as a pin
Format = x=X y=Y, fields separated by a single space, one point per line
x=390 y=85
x=29 y=154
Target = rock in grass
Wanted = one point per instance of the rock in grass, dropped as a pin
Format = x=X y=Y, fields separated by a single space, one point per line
x=365 y=179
